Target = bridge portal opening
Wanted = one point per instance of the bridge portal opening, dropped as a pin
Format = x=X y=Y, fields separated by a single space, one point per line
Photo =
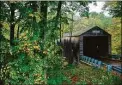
x=95 y=46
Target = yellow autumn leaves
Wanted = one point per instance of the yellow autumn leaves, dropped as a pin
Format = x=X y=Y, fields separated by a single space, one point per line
x=32 y=47
x=31 y=15
x=36 y=47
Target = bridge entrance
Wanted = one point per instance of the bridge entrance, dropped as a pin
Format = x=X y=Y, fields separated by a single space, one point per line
x=95 y=46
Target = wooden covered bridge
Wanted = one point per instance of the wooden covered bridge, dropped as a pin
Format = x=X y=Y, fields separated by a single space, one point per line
x=93 y=42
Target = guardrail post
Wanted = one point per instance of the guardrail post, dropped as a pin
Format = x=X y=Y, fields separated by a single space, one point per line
x=92 y=61
x=95 y=63
x=99 y=64
x=109 y=68
x=89 y=59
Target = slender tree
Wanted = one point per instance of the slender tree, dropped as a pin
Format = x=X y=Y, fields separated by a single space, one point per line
x=12 y=23
x=43 y=11
x=58 y=13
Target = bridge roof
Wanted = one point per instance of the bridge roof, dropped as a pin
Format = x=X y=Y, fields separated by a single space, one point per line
x=83 y=30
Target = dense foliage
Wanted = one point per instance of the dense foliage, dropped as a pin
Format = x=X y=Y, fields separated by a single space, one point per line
x=108 y=24
x=32 y=51
x=115 y=9
x=29 y=32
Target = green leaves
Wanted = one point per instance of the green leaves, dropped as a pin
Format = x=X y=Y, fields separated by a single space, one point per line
x=25 y=68
x=35 y=57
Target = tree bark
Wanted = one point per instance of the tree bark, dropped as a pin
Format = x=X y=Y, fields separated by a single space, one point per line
x=121 y=31
x=60 y=27
x=18 y=33
x=58 y=13
x=43 y=11
x=12 y=23
x=71 y=47
x=34 y=5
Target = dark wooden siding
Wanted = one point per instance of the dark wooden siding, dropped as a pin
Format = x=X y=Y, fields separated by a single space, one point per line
x=90 y=33
x=81 y=45
x=109 y=44
x=77 y=42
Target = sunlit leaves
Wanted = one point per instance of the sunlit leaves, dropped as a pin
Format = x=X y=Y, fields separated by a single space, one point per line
x=114 y=30
x=32 y=57
x=114 y=8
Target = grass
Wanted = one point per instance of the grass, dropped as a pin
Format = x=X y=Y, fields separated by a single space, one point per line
x=83 y=74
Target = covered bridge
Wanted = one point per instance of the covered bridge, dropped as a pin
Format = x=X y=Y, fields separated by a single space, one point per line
x=92 y=42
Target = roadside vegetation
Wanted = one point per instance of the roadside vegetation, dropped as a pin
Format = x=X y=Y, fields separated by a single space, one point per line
x=29 y=52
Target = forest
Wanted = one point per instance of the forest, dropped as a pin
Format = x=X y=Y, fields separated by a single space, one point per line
x=30 y=30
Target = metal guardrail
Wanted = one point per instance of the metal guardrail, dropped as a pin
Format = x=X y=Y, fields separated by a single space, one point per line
x=118 y=69
x=99 y=64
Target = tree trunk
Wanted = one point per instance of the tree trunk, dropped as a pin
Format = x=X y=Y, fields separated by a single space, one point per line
x=60 y=27
x=43 y=11
x=18 y=33
x=34 y=5
x=12 y=34
x=58 y=13
x=1 y=28
x=57 y=18
x=121 y=31
x=71 y=47
x=12 y=23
